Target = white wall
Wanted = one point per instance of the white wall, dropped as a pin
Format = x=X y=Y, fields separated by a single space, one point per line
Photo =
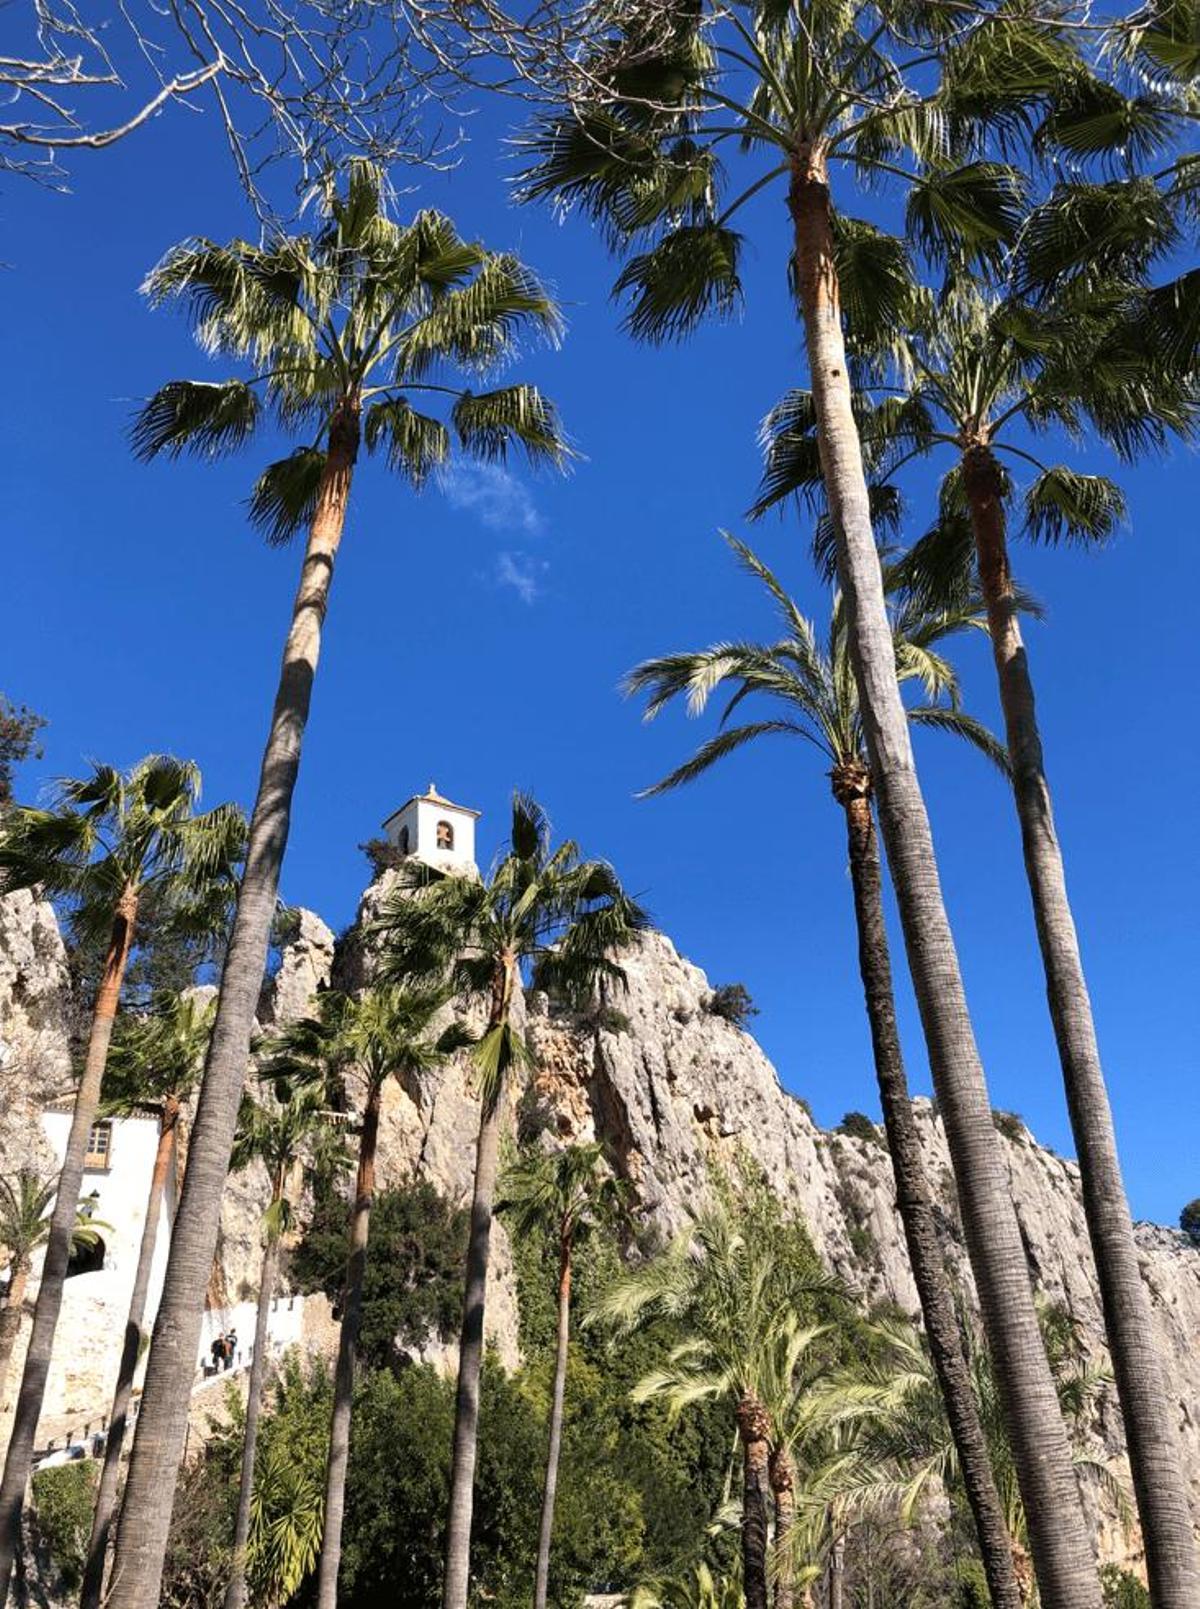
x=123 y=1190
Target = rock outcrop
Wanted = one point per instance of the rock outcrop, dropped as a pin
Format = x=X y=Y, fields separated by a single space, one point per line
x=35 y=1026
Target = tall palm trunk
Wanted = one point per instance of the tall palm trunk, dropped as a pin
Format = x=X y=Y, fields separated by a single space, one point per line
x=11 y=1315
x=550 y=1488
x=235 y=1592
x=106 y=1495
x=470 y=1363
x=754 y=1429
x=1061 y=1545
x=58 y=1245
x=837 y=1571
x=782 y=1475
x=470 y=1351
x=343 y=1384
x=1150 y=1425
x=162 y=1424
x=852 y=789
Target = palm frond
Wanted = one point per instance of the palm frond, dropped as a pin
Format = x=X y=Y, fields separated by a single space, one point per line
x=284 y=498
x=972 y=731
x=415 y=444
x=489 y=423
x=1065 y=506
x=209 y=418
x=688 y=274
x=967 y=213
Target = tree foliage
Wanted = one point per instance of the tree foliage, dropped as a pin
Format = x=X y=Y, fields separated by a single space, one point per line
x=413 y=1290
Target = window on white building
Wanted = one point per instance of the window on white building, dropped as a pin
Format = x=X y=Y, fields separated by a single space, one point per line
x=445 y=835
x=99 y=1147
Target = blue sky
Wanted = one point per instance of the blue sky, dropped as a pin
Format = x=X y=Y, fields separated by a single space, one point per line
x=478 y=632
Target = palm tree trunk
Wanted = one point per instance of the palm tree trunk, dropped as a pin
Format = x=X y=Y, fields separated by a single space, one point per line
x=11 y=1315
x=106 y=1495
x=550 y=1488
x=1150 y=1423
x=17 y=1464
x=162 y=1424
x=343 y=1385
x=754 y=1429
x=1061 y=1544
x=235 y=1592
x=837 y=1571
x=470 y=1363
x=852 y=788
x=783 y=1489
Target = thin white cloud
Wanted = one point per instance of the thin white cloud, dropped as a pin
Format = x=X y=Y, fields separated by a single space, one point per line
x=522 y=572
x=494 y=495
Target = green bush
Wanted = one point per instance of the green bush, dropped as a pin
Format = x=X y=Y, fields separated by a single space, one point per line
x=1010 y=1124
x=732 y=1002
x=858 y=1126
x=1122 y=1590
x=63 y=1498
x=413 y=1288
x=1189 y=1221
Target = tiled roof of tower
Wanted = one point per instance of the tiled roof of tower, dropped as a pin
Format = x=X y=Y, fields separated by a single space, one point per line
x=432 y=796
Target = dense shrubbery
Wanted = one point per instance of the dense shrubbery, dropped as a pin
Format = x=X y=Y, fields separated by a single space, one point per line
x=413 y=1289
x=1122 y=1590
x=1189 y=1221
x=63 y=1497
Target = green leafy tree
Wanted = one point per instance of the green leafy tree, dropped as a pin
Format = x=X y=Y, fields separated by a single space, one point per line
x=542 y=910
x=19 y=728
x=344 y=333
x=287 y=1137
x=25 y=1201
x=806 y=689
x=922 y=98
x=359 y=1041
x=1189 y=1221
x=412 y=1291
x=154 y=1063
x=109 y=841
x=62 y=1509
x=568 y=1191
x=973 y=371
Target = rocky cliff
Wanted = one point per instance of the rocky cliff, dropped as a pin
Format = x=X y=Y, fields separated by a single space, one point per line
x=670 y=1088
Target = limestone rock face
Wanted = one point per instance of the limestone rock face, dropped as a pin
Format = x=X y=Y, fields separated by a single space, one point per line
x=35 y=1023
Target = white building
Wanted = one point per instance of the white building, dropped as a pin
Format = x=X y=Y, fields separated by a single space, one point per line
x=115 y=1190
x=434 y=830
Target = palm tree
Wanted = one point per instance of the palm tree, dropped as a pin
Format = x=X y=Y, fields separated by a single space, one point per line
x=563 y=1193
x=283 y=1135
x=109 y=841
x=699 y=1588
x=154 y=1062
x=363 y=1040
x=899 y=1421
x=979 y=366
x=25 y=1201
x=541 y=911
x=813 y=688
x=735 y=1297
x=342 y=332
x=908 y=95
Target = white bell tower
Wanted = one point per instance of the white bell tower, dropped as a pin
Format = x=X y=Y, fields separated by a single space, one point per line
x=435 y=830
